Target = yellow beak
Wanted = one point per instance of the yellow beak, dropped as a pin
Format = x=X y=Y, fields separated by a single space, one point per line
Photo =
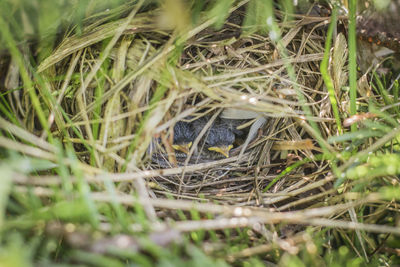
x=183 y=148
x=224 y=150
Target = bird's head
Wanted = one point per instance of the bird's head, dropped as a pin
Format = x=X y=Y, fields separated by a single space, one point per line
x=183 y=136
x=220 y=140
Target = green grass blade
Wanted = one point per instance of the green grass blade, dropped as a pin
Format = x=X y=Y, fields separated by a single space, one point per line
x=352 y=60
x=325 y=71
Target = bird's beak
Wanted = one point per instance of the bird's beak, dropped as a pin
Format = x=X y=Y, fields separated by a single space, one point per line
x=224 y=150
x=183 y=148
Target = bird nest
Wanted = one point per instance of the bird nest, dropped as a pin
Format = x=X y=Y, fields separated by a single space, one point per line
x=155 y=77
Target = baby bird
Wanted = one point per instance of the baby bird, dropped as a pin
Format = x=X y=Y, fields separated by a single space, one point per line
x=219 y=137
x=184 y=135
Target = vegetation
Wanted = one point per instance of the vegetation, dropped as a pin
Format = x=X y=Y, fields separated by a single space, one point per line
x=90 y=92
